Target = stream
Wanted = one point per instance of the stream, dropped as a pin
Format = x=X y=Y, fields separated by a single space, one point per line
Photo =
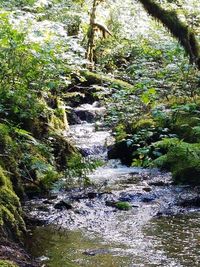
x=84 y=227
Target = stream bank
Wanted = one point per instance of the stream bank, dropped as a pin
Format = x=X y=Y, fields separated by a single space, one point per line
x=89 y=226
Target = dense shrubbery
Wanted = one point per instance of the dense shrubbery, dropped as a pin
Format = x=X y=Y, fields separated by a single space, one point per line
x=181 y=158
x=167 y=137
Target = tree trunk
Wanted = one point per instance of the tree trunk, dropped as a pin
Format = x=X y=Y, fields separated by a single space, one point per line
x=91 y=33
x=178 y=29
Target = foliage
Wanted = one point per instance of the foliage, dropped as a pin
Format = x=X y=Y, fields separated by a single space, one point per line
x=182 y=158
x=179 y=30
x=6 y=263
x=79 y=168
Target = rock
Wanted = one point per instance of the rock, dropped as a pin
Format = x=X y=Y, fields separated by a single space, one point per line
x=123 y=205
x=194 y=202
x=128 y=197
x=92 y=195
x=73 y=118
x=53 y=196
x=43 y=208
x=147 y=189
x=63 y=204
x=48 y=202
x=85 y=115
x=89 y=113
x=121 y=151
x=94 y=252
x=158 y=183
x=148 y=198
x=110 y=203
x=136 y=197
x=78 y=196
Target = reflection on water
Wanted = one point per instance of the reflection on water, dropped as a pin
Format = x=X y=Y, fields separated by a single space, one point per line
x=67 y=249
x=166 y=241
x=178 y=236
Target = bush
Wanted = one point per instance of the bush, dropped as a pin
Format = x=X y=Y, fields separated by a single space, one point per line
x=182 y=159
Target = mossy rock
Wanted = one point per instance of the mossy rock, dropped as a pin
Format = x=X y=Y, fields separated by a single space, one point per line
x=96 y=78
x=6 y=263
x=62 y=149
x=122 y=205
x=11 y=222
x=3 y=179
x=182 y=159
x=183 y=123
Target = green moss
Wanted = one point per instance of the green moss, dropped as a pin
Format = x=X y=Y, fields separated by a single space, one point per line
x=182 y=159
x=186 y=123
x=6 y=263
x=145 y=123
x=178 y=29
x=11 y=222
x=122 y=205
x=95 y=78
x=2 y=177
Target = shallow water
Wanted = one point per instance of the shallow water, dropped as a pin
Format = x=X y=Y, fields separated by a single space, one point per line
x=156 y=231
x=167 y=241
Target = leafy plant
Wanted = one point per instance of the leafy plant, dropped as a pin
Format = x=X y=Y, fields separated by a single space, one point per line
x=79 y=168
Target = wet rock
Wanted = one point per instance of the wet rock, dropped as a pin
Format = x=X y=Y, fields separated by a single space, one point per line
x=194 y=202
x=121 y=151
x=73 y=118
x=15 y=253
x=110 y=203
x=53 y=196
x=89 y=113
x=85 y=115
x=136 y=197
x=158 y=183
x=95 y=252
x=43 y=208
x=147 y=189
x=78 y=196
x=92 y=195
x=148 y=198
x=123 y=205
x=81 y=212
x=48 y=202
x=63 y=204
x=128 y=197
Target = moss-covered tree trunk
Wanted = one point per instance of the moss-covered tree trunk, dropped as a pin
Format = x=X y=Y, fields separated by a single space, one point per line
x=91 y=33
x=178 y=29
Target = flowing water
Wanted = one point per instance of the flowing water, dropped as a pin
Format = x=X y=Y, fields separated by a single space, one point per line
x=156 y=231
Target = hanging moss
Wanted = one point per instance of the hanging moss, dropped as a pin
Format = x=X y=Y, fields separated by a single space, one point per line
x=177 y=28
